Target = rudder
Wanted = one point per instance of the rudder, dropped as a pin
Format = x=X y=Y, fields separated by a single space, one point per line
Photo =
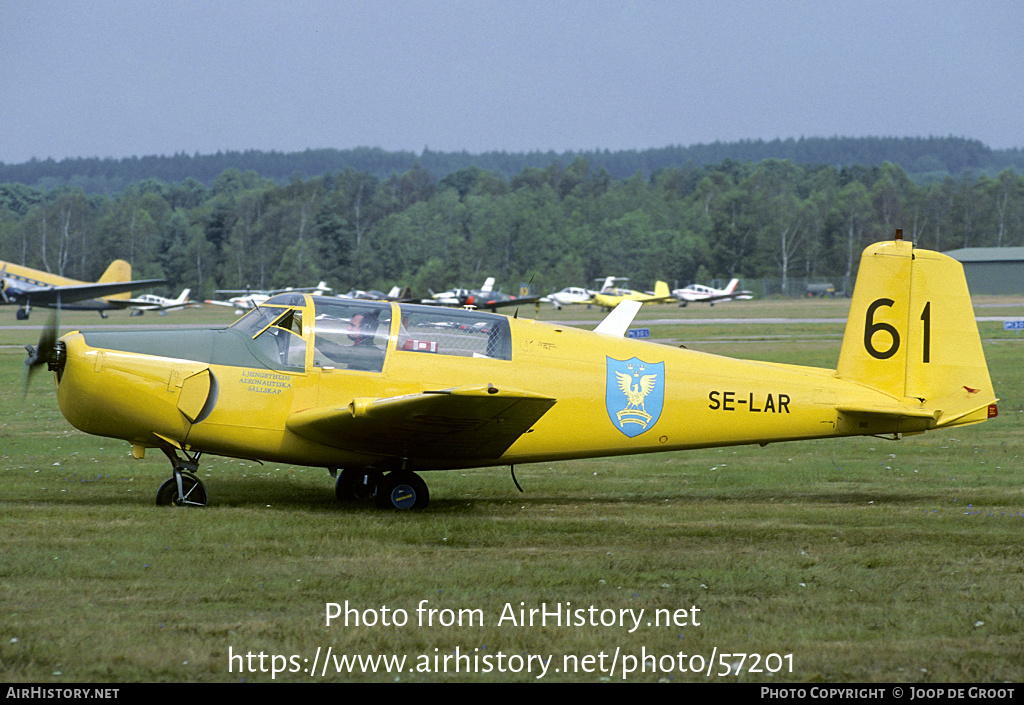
x=118 y=271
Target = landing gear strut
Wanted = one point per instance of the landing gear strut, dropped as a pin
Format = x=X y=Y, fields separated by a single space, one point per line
x=357 y=484
x=184 y=489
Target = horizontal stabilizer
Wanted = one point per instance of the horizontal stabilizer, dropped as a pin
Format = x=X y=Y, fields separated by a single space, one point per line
x=889 y=411
x=934 y=418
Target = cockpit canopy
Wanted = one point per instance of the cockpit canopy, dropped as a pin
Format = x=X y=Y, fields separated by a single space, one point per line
x=356 y=334
x=295 y=332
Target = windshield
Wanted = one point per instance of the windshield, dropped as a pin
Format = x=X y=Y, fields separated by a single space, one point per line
x=274 y=334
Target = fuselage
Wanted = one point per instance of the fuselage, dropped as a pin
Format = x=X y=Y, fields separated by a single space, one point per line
x=231 y=391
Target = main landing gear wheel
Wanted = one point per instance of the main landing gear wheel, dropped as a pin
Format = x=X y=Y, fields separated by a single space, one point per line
x=193 y=492
x=401 y=489
x=356 y=484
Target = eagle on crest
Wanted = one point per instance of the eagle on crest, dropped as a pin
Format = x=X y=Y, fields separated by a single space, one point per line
x=635 y=394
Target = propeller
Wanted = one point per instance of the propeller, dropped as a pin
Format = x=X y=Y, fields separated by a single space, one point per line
x=43 y=352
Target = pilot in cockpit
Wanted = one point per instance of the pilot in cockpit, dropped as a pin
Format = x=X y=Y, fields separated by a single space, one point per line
x=355 y=348
x=364 y=354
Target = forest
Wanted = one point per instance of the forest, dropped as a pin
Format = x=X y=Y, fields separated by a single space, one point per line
x=923 y=158
x=557 y=224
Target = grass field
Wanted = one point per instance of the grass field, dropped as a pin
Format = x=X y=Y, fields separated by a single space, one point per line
x=853 y=560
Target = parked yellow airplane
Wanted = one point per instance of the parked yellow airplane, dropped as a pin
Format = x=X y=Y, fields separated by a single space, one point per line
x=26 y=287
x=609 y=298
x=383 y=390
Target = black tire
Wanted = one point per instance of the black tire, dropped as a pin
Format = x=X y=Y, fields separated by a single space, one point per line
x=195 y=492
x=402 y=490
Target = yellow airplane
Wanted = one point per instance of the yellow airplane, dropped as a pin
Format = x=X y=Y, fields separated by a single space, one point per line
x=25 y=286
x=610 y=297
x=383 y=391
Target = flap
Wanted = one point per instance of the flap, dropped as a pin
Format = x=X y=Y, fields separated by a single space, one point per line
x=451 y=424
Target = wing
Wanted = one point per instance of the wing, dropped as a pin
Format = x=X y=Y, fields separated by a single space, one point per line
x=80 y=292
x=503 y=303
x=456 y=424
x=726 y=297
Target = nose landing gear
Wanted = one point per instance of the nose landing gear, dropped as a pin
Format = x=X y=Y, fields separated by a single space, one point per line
x=184 y=489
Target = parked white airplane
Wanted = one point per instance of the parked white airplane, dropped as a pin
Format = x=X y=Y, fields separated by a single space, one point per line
x=395 y=294
x=152 y=302
x=458 y=297
x=249 y=299
x=568 y=296
x=710 y=295
x=578 y=295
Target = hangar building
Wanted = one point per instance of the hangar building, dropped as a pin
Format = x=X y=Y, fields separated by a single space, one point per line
x=992 y=270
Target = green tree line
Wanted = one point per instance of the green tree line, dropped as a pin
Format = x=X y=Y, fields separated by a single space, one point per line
x=557 y=225
x=923 y=158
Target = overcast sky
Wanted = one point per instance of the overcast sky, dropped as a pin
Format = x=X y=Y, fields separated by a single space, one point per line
x=117 y=78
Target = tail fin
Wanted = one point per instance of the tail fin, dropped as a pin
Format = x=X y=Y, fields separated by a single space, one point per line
x=118 y=271
x=732 y=286
x=661 y=290
x=912 y=335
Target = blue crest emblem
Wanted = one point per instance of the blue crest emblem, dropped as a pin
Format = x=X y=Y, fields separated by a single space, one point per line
x=634 y=394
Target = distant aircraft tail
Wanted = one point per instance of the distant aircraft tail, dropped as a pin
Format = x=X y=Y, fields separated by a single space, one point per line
x=661 y=290
x=912 y=335
x=488 y=285
x=118 y=271
x=733 y=283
